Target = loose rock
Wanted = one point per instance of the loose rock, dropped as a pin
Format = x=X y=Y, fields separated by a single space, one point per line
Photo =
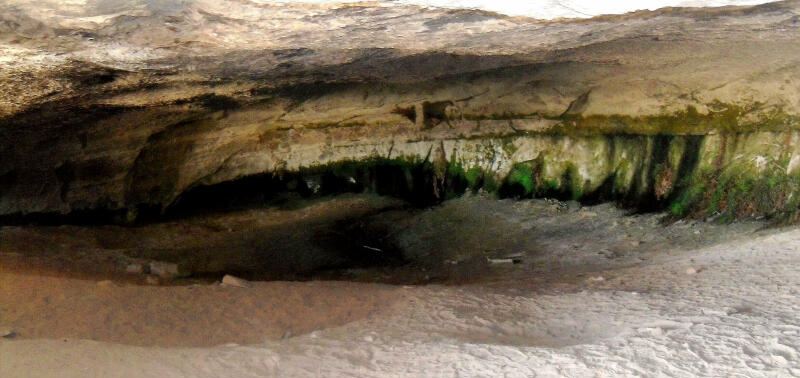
x=134 y=269
x=232 y=281
x=152 y=280
x=500 y=261
x=7 y=333
x=164 y=269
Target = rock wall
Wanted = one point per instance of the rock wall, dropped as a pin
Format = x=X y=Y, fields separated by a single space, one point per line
x=691 y=109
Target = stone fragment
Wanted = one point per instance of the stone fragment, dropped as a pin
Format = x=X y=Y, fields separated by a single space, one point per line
x=164 y=269
x=152 y=280
x=691 y=271
x=134 y=269
x=7 y=333
x=232 y=281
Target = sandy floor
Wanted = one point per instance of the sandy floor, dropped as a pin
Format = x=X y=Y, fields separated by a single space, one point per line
x=728 y=309
x=281 y=242
x=736 y=316
x=203 y=315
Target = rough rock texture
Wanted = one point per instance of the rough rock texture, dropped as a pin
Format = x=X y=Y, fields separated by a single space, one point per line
x=113 y=105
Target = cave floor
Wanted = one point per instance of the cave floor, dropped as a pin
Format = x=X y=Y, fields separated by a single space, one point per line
x=595 y=291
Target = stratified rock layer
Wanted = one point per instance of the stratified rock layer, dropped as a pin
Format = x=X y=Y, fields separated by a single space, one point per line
x=119 y=106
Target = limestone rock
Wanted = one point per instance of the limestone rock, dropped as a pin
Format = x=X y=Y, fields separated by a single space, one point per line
x=195 y=102
x=232 y=281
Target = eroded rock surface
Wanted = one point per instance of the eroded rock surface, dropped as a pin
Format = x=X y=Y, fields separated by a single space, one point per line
x=122 y=105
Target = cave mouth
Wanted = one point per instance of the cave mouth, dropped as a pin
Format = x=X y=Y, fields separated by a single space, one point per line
x=323 y=222
x=331 y=245
x=389 y=220
x=414 y=182
x=375 y=220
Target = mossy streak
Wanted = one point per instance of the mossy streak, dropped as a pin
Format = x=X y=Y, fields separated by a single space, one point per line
x=727 y=176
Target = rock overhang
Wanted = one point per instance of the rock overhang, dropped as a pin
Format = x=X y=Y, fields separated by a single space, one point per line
x=111 y=110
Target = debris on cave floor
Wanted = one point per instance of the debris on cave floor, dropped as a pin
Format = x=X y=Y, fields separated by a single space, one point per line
x=367 y=238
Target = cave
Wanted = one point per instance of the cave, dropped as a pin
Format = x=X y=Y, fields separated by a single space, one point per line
x=399 y=188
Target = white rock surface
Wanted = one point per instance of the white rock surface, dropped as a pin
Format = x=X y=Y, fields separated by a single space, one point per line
x=553 y=9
